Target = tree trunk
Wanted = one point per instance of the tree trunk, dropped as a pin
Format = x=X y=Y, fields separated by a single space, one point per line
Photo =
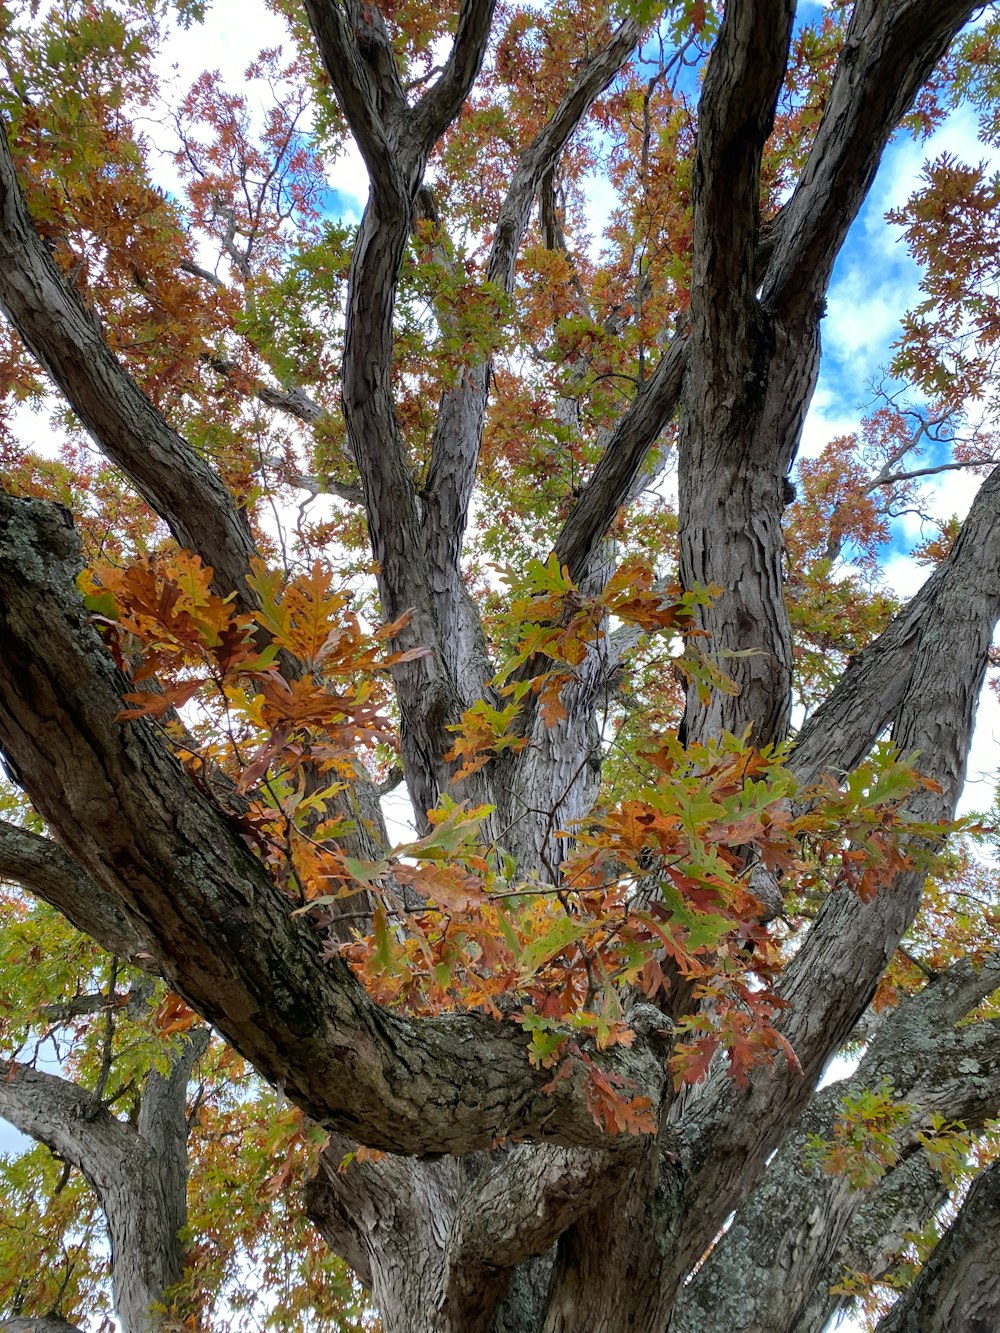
x=139 y=1174
x=958 y=1288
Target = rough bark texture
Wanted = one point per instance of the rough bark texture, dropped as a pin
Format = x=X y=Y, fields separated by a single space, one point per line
x=504 y=1208
x=786 y=1238
x=909 y=1197
x=959 y=1286
x=138 y=1173
x=43 y=868
x=66 y=339
x=731 y=534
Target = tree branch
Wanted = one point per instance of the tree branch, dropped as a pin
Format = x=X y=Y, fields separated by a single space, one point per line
x=735 y=419
x=219 y=929
x=358 y=60
x=139 y=1173
x=893 y=477
x=60 y=1114
x=610 y=482
x=728 y=1132
x=443 y=100
x=889 y=53
x=362 y=70
x=296 y=402
x=787 y=1234
x=64 y=336
x=46 y=870
x=735 y=118
x=959 y=1285
x=901 y=1204
x=869 y=694
x=370 y=1213
x=196 y=271
x=458 y=431
x=516 y=1210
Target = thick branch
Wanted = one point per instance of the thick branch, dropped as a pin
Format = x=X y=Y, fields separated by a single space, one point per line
x=367 y=89
x=610 y=483
x=62 y=1115
x=735 y=117
x=139 y=1173
x=754 y=364
x=64 y=336
x=323 y=1198
x=515 y=1211
x=788 y=1233
x=869 y=694
x=354 y=46
x=219 y=930
x=390 y=1220
x=50 y=873
x=910 y=1195
x=733 y=426
x=959 y=1285
x=889 y=53
x=727 y=1132
x=442 y=102
x=458 y=432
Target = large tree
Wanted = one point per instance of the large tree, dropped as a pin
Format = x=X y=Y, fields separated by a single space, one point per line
x=552 y=1042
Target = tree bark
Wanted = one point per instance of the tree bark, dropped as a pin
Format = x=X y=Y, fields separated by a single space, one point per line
x=610 y=1229
x=139 y=1174
x=46 y=870
x=902 y=1204
x=65 y=337
x=786 y=1237
x=958 y=1288
x=218 y=928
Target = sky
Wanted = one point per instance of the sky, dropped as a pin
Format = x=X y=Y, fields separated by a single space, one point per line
x=874 y=281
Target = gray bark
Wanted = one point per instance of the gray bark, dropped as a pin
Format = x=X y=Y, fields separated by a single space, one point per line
x=731 y=529
x=902 y=1204
x=754 y=361
x=958 y=1288
x=138 y=1173
x=218 y=928
x=45 y=869
x=65 y=337
x=787 y=1236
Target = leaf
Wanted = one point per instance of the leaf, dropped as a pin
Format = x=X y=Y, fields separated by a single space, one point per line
x=561 y=933
x=174 y=1015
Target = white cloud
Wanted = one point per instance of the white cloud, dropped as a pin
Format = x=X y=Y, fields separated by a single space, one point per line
x=827 y=419
x=232 y=36
x=349 y=177
x=876 y=280
x=903 y=577
x=230 y=40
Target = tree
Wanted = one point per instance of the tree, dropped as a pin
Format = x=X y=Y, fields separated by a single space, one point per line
x=555 y=1039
